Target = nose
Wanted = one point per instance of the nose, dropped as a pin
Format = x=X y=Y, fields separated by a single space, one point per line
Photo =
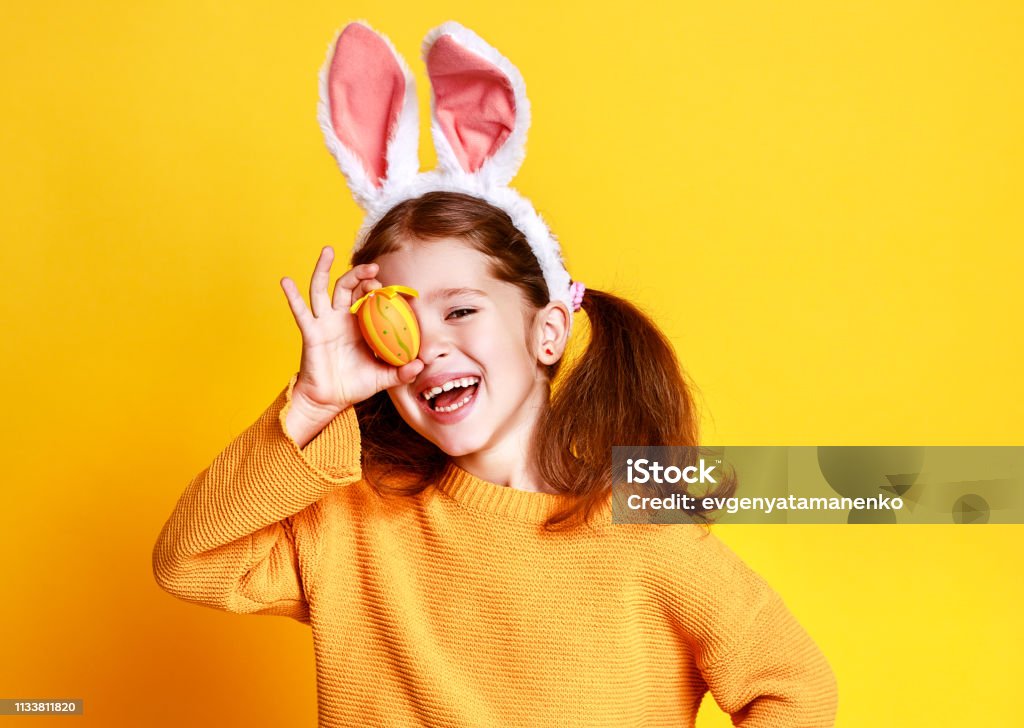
x=434 y=338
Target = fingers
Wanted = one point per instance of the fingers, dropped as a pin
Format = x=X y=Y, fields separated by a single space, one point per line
x=345 y=289
x=364 y=287
x=319 y=299
x=302 y=314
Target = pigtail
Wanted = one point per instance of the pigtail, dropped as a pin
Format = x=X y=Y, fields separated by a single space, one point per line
x=627 y=388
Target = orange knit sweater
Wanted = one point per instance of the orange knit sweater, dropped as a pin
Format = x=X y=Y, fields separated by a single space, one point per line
x=453 y=608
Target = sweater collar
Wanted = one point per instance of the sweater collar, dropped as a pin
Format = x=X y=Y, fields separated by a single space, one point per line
x=521 y=505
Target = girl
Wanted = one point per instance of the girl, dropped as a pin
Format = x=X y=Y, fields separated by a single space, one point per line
x=444 y=527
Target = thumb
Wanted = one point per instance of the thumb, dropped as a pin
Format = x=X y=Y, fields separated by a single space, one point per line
x=407 y=372
x=396 y=376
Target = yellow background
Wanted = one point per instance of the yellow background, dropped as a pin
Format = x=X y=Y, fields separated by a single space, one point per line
x=819 y=202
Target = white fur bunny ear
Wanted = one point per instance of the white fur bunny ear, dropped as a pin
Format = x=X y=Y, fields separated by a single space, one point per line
x=479 y=110
x=368 y=113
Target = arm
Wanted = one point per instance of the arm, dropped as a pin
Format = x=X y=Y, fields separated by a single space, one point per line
x=761 y=666
x=775 y=675
x=230 y=541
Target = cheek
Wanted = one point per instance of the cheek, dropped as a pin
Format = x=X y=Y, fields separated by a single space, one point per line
x=403 y=404
x=504 y=337
x=508 y=357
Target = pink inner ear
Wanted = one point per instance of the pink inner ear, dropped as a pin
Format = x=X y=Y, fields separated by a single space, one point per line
x=366 y=89
x=473 y=101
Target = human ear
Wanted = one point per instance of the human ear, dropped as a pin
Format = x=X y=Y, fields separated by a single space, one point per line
x=551 y=332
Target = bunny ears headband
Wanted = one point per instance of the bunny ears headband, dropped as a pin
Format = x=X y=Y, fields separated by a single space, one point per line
x=479 y=117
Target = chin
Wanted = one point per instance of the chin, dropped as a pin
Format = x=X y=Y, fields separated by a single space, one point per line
x=454 y=440
x=457 y=447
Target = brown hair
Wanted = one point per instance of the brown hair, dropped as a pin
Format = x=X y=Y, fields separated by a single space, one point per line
x=626 y=388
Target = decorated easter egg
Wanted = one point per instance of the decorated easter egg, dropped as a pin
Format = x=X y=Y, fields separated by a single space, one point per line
x=388 y=324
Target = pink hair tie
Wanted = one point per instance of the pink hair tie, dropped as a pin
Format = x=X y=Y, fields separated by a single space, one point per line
x=576 y=291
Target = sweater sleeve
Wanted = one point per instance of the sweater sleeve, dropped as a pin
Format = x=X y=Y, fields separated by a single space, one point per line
x=230 y=542
x=760 y=665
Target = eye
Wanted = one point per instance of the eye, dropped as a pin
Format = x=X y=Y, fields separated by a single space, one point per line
x=463 y=311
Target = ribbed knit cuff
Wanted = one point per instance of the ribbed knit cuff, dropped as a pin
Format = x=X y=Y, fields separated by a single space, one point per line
x=334 y=454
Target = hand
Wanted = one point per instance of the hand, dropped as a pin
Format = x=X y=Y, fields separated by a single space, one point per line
x=338 y=368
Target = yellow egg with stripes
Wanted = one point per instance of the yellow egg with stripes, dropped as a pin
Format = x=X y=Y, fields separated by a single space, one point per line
x=388 y=324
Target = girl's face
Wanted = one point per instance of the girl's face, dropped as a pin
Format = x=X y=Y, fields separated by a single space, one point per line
x=482 y=386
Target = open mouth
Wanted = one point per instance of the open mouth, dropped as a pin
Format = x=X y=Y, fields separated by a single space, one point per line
x=451 y=396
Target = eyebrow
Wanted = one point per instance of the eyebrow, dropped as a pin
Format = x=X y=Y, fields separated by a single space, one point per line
x=452 y=292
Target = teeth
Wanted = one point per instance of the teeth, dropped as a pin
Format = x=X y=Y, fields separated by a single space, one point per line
x=448 y=386
x=455 y=406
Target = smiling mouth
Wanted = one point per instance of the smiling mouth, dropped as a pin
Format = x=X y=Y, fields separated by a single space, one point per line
x=452 y=396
